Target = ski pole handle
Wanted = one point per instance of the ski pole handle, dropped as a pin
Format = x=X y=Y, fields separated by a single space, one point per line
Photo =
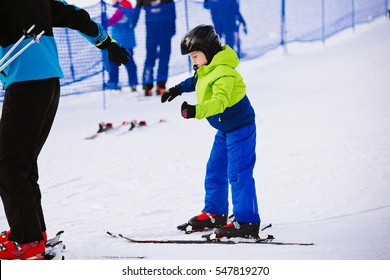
x=35 y=40
x=17 y=44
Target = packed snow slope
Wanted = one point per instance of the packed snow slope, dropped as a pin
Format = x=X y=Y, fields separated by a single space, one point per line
x=322 y=172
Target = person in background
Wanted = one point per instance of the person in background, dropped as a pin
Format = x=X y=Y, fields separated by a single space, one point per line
x=121 y=23
x=227 y=19
x=32 y=93
x=222 y=100
x=160 y=28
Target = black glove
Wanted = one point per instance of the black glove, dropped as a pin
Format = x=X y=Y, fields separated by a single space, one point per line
x=171 y=94
x=187 y=110
x=116 y=53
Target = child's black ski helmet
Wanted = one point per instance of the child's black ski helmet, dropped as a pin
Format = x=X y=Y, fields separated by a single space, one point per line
x=201 y=38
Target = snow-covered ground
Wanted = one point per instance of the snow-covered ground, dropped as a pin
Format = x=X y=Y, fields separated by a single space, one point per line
x=322 y=172
x=322 y=175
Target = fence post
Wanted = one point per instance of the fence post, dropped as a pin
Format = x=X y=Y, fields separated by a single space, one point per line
x=70 y=56
x=187 y=28
x=353 y=15
x=103 y=15
x=323 y=21
x=283 y=27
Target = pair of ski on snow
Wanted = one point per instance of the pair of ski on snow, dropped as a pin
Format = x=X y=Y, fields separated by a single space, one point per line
x=108 y=128
x=54 y=245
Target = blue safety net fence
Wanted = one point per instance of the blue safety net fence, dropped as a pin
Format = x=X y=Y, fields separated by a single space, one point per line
x=269 y=25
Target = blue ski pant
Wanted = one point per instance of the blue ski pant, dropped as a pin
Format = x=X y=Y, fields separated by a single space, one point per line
x=158 y=46
x=231 y=161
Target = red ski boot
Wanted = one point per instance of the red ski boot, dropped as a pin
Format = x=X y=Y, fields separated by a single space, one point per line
x=204 y=221
x=12 y=250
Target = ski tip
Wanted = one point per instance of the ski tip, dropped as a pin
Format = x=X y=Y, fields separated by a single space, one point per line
x=299 y=243
x=308 y=244
x=91 y=137
x=116 y=235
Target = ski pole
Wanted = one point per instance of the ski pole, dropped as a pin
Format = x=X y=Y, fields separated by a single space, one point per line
x=26 y=34
x=35 y=40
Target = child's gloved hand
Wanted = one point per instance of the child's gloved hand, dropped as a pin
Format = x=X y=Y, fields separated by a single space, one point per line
x=187 y=110
x=171 y=94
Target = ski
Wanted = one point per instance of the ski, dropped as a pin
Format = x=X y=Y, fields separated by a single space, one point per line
x=55 y=240
x=137 y=124
x=53 y=252
x=188 y=229
x=54 y=246
x=108 y=128
x=105 y=128
x=133 y=124
x=268 y=239
x=207 y=241
x=117 y=257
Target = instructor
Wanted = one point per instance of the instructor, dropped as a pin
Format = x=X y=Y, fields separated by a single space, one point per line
x=32 y=92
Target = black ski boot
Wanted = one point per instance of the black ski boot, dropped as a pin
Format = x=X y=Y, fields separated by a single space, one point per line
x=204 y=221
x=238 y=229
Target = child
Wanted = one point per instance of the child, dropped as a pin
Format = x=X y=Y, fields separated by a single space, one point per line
x=221 y=98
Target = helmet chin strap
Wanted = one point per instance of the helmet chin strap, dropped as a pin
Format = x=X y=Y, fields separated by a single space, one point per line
x=195 y=67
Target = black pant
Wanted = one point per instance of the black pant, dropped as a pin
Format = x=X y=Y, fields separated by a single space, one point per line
x=28 y=113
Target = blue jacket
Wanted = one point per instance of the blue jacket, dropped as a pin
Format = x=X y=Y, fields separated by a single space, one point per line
x=161 y=12
x=40 y=61
x=121 y=23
